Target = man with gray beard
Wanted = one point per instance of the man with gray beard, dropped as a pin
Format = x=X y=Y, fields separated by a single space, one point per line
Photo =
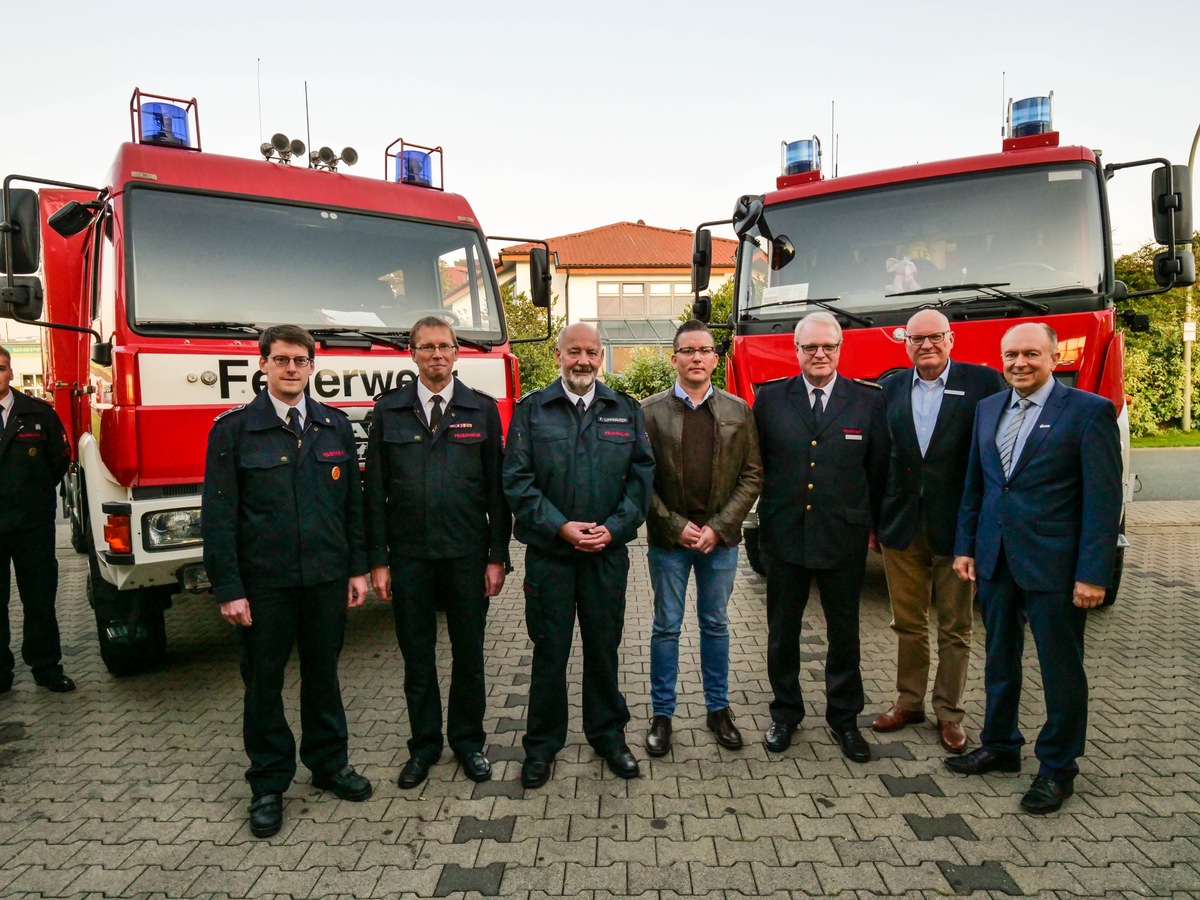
x=578 y=474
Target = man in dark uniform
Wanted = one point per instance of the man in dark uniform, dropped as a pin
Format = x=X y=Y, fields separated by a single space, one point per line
x=824 y=442
x=33 y=459
x=930 y=411
x=283 y=546
x=578 y=473
x=437 y=535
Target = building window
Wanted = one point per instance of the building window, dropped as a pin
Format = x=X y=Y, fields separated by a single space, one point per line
x=641 y=300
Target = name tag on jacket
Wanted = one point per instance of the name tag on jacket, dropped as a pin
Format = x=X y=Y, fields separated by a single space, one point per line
x=954 y=393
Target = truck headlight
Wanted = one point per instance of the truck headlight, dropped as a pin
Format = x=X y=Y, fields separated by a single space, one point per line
x=171 y=529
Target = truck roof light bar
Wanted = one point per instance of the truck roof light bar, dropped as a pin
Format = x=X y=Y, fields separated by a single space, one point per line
x=413 y=164
x=165 y=122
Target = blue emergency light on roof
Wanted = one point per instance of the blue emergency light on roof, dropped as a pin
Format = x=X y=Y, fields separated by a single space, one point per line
x=415 y=168
x=1030 y=116
x=165 y=124
x=801 y=156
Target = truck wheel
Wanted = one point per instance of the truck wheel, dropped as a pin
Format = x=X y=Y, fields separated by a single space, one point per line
x=753 y=556
x=78 y=535
x=130 y=625
x=78 y=516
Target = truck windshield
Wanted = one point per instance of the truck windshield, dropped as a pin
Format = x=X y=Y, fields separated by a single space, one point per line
x=1033 y=231
x=200 y=259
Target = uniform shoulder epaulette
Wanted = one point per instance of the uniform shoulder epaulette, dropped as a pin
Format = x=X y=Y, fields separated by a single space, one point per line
x=234 y=409
x=336 y=409
x=386 y=393
x=526 y=396
x=38 y=399
x=484 y=394
x=871 y=384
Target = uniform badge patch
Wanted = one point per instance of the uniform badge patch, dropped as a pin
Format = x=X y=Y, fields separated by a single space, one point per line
x=33 y=451
x=336 y=473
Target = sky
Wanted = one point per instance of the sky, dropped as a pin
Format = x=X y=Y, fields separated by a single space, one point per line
x=560 y=117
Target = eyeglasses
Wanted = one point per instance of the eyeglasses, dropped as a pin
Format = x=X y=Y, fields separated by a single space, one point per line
x=689 y=352
x=811 y=349
x=443 y=349
x=918 y=339
x=302 y=362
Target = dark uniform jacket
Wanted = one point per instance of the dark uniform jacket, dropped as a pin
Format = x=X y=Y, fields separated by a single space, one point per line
x=560 y=469
x=33 y=459
x=435 y=495
x=932 y=484
x=278 y=515
x=823 y=486
x=736 y=467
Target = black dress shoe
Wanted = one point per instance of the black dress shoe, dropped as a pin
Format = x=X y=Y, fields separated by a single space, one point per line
x=475 y=766
x=345 y=784
x=535 y=772
x=415 y=771
x=779 y=736
x=721 y=724
x=658 y=741
x=58 y=684
x=622 y=763
x=854 y=746
x=1046 y=795
x=981 y=761
x=266 y=815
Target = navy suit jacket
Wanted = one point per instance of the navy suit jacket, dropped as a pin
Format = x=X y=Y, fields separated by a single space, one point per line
x=822 y=484
x=933 y=481
x=1057 y=517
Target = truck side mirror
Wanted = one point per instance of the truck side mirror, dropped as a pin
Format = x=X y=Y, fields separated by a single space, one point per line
x=102 y=353
x=21 y=220
x=1174 y=268
x=71 y=218
x=746 y=214
x=701 y=260
x=702 y=308
x=1174 y=206
x=22 y=301
x=539 y=277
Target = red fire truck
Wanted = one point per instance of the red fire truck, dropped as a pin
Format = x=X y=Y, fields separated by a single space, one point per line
x=992 y=240
x=156 y=288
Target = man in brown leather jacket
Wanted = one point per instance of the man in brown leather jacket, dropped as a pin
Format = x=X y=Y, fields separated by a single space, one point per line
x=707 y=476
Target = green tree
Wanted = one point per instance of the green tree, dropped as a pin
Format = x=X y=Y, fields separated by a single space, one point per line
x=647 y=373
x=536 y=359
x=1154 y=359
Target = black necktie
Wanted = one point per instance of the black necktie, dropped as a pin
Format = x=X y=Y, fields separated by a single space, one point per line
x=293 y=422
x=582 y=407
x=818 y=406
x=435 y=414
x=1 y=418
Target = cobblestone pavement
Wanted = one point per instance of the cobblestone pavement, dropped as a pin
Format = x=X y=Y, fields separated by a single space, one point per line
x=133 y=787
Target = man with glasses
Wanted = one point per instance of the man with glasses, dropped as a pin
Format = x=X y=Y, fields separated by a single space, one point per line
x=824 y=443
x=283 y=546
x=578 y=473
x=930 y=411
x=437 y=536
x=707 y=475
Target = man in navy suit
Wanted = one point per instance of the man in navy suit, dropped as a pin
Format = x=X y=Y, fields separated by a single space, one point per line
x=930 y=410
x=1038 y=532
x=824 y=443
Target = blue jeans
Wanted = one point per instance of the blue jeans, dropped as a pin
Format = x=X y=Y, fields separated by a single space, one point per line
x=669 y=571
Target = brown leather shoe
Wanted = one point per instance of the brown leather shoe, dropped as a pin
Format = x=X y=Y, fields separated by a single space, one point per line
x=896 y=718
x=954 y=738
x=658 y=740
x=721 y=724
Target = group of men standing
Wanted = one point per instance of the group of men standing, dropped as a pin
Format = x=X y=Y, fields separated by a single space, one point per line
x=1018 y=503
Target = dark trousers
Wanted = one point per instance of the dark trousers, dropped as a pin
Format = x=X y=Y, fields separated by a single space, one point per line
x=419 y=586
x=31 y=553
x=557 y=588
x=787 y=597
x=314 y=620
x=1057 y=626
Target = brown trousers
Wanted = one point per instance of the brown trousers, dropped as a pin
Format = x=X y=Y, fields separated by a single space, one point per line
x=917 y=579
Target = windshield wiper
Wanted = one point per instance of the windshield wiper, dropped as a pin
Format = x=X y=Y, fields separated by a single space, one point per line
x=248 y=327
x=397 y=339
x=485 y=346
x=988 y=289
x=824 y=304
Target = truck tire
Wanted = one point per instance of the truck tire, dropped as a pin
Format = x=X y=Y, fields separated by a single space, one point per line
x=753 y=556
x=78 y=516
x=130 y=625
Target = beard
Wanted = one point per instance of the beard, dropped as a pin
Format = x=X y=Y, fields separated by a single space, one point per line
x=579 y=380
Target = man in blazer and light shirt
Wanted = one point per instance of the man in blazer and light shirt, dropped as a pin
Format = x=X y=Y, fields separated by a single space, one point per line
x=824 y=444
x=930 y=410
x=1038 y=532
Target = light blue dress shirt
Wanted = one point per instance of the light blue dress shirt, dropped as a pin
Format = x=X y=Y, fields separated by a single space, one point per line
x=1038 y=398
x=927 y=403
x=682 y=395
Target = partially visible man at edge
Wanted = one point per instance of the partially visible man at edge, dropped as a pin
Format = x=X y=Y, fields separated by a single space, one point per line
x=1038 y=532
x=931 y=408
x=578 y=474
x=283 y=545
x=707 y=475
